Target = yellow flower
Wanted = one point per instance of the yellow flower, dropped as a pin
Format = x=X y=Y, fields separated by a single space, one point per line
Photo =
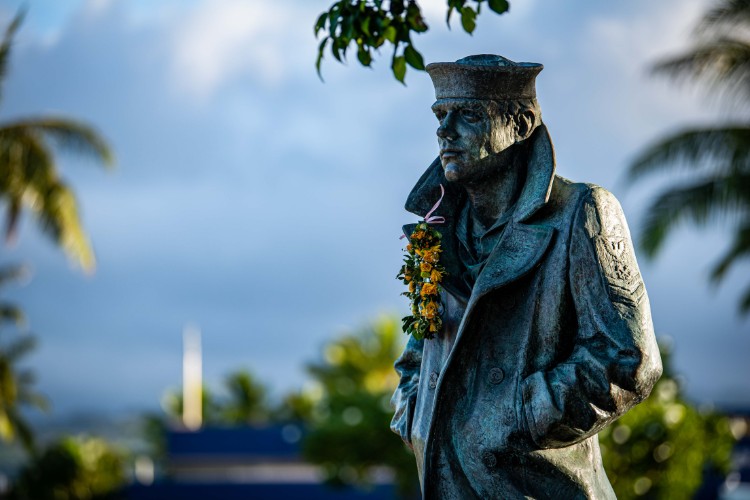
x=431 y=255
x=429 y=311
x=433 y=327
x=429 y=289
x=408 y=247
x=412 y=286
x=418 y=235
x=425 y=267
x=436 y=276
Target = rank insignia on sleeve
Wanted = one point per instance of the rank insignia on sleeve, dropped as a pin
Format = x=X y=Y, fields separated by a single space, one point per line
x=618 y=264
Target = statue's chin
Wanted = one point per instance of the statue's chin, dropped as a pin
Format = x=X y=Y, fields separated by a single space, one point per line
x=452 y=172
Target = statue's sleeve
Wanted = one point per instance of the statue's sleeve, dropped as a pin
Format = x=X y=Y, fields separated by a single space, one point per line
x=615 y=360
x=404 y=400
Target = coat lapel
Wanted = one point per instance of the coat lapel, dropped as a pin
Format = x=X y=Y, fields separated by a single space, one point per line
x=520 y=248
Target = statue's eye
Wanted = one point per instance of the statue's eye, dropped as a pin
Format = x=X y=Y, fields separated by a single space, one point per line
x=470 y=115
x=440 y=115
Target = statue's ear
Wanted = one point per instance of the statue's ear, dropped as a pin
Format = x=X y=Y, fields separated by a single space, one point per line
x=525 y=124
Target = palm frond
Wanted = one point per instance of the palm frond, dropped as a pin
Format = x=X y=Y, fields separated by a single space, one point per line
x=726 y=147
x=727 y=15
x=717 y=197
x=12 y=272
x=67 y=134
x=19 y=348
x=12 y=314
x=33 y=399
x=745 y=302
x=7 y=43
x=22 y=181
x=22 y=430
x=59 y=218
x=25 y=379
x=740 y=248
x=722 y=64
x=34 y=183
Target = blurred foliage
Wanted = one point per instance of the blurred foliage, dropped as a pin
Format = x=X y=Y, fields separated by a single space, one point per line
x=369 y=24
x=717 y=157
x=297 y=406
x=243 y=400
x=172 y=403
x=349 y=430
x=28 y=174
x=660 y=448
x=16 y=384
x=247 y=400
x=73 y=469
x=154 y=433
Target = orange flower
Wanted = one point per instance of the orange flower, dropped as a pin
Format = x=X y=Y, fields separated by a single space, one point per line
x=429 y=289
x=436 y=276
x=408 y=247
x=418 y=235
x=425 y=267
x=429 y=311
x=433 y=327
x=412 y=286
x=431 y=255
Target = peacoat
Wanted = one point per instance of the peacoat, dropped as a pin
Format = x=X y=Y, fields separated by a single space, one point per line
x=554 y=342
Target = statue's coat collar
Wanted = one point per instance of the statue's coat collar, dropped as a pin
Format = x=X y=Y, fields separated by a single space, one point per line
x=522 y=244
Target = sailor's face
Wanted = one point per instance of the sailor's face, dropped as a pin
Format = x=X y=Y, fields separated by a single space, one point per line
x=468 y=136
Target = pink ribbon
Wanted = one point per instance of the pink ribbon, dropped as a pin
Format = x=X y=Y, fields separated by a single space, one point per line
x=436 y=219
x=433 y=219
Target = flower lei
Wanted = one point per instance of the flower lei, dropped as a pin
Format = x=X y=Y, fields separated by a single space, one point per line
x=422 y=274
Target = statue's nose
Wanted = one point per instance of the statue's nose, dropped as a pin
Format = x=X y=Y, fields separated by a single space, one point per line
x=446 y=131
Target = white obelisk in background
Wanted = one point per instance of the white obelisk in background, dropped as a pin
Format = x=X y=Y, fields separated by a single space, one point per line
x=192 y=378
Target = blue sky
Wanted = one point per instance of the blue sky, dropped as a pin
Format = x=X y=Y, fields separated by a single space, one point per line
x=265 y=206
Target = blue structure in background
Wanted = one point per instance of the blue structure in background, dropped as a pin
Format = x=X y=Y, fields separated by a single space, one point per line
x=247 y=462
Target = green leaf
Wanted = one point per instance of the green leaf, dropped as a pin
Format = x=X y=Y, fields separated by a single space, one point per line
x=347 y=29
x=336 y=48
x=321 y=22
x=390 y=34
x=414 y=58
x=456 y=5
x=499 y=6
x=366 y=26
x=399 y=68
x=321 y=48
x=468 y=19
x=364 y=56
x=414 y=18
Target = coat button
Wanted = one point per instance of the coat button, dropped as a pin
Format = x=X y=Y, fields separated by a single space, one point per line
x=433 y=380
x=496 y=375
x=489 y=459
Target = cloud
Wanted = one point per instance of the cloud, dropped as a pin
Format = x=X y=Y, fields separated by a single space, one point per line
x=632 y=40
x=621 y=48
x=221 y=39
